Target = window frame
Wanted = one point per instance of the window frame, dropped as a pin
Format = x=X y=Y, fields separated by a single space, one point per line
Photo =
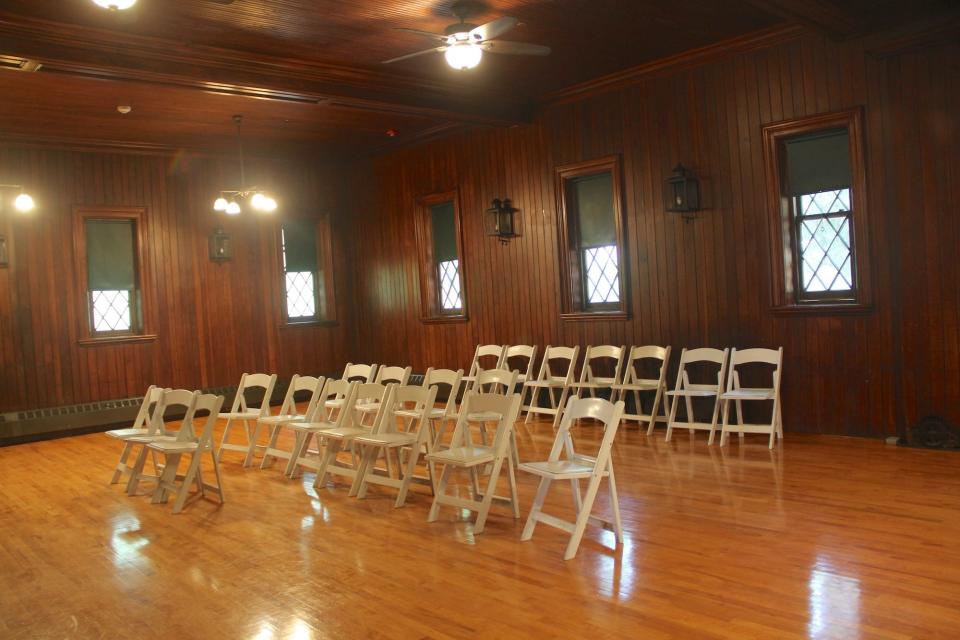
x=572 y=270
x=785 y=261
x=325 y=300
x=87 y=334
x=431 y=310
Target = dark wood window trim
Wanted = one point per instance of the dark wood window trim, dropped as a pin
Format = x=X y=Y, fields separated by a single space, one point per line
x=571 y=271
x=783 y=254
x=326 y=298
x=87 y=336
x=430 y=309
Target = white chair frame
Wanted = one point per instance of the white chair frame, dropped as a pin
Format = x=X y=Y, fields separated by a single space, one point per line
x=288 y=413
x=171 y=398
x=240 y=412
x=736 y=393
x=476 y=365
x=687 y=391
x=319 y=420
x=633 y=384
x=143 y=425
x=440 y=417
x=520 y=351
x=550 y=381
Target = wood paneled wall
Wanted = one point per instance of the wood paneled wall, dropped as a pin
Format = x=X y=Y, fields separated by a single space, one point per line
x=213 y=322
x=706 y=282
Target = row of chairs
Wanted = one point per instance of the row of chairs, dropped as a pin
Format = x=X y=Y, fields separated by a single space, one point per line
x=621 y=374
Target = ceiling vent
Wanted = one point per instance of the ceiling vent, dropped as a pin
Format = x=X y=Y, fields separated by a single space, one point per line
x=19 y=64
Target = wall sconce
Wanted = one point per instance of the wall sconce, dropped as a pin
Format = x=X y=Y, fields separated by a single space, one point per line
x=682 y=193
x=501 y=221
x=221 y=249
x=4 y=252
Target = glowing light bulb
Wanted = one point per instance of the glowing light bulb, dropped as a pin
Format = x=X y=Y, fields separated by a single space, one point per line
x=269 y=204
x=463 y=55
x=23 y=202
x=220 y=204
x=115 y=5
x=232 y=208
x=258 y=200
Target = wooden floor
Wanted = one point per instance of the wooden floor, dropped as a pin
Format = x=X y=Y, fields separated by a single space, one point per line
x=828 y=538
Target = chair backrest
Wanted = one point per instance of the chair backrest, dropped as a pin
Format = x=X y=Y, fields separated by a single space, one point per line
x=495 y=381
x=754 y=356
x=399 y=375
x=265 y=381
x=506 y=406
x=594 y=356
x=445 y=378
x=559 y=364
x=300 y=384
x=211 y=405
x=151 y=400
x=418 y=400
x=370 y=393
x=485 y=351
x=598 y=409
x=701 y=355
x=333 y=389
x=528 y=352
x=648 y=352
x=179 y=398
x=359 y=372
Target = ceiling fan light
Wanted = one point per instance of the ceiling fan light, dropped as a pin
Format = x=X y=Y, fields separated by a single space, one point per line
x=220 y=204
x=232 y=209
x=269 y=204
x=463 y=55
x=258 y=201
x=23 y=202
x=115 y=5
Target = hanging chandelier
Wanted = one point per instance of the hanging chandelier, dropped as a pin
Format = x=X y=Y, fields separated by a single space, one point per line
x=230 y=200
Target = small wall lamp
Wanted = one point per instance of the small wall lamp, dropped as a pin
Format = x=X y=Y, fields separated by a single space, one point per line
x=682 y=193
x=221 y=249
x=501 y=220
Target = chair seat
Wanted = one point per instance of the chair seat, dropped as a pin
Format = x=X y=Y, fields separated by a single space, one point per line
x=597 y=384
x=125 y=434
x=559 y=468
x=312 y=427
x=344 y=433
x=546 y=384
x=641 y=385
x=173 y=446
x=367 y=407
x=388 y=439
x=147 y=438
x=693 y=393
x=748 y=394
x=487 y=416
x=239 y=415
x=334 y=403
x=436 y=413
x=463 y=456
x=281 y=419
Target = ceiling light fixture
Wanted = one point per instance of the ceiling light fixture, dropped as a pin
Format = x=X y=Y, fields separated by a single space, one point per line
x=461 y=53
x=23 y=202
x=115 y=5
x=229 y=199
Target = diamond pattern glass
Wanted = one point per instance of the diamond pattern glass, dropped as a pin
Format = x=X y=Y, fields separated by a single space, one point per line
x=301 y=295
x=602 y=274
x=449 y=272
x=111 y=310
x=824 y=240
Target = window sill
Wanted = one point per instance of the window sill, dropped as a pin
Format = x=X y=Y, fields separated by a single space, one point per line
x=579 y=316
x=823 y=308
x=112 y=340
x=444 y=319
x=311 y=323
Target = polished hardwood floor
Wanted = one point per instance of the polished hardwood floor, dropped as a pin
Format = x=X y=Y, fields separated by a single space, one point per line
x=826 y=537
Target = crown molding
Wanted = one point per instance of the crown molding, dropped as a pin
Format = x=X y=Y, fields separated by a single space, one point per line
x=670 y=64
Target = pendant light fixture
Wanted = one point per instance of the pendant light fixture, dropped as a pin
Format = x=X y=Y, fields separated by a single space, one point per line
x=23 y=202
x=115 y=5
x=230 y=200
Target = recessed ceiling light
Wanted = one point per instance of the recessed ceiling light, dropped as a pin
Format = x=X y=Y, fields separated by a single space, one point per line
x=124 y=108
x=115 y=5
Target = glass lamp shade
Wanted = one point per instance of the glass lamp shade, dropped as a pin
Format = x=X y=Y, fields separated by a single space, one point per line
x=232 y=208
x=258 y=201
x=463 y=55
x=269 y=204
x=220 y=204
x=115 y=4
x=23 y=202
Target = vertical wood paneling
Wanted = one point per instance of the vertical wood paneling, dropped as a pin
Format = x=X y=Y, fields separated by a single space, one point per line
x=706 y=282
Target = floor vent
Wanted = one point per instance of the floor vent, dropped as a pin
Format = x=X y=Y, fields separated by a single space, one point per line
x=933 y=432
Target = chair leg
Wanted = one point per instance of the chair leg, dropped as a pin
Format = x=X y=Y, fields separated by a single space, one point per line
x=512 y=478
x=672 y=416
x=725 y=428
x=330 y=455
x=216 y=473
x=224 y=438
x=134 y=481
x=488 y=496
x=300 y=445
x=168 y=477
x=657 y=399
x=368 y=460
x=536 y=508
x=440 y=491
x=252 y=449
x=192 y=472
x=560 y=407
x=122 y=464
x=614 y=503
x=582 y=518
x=411 y=468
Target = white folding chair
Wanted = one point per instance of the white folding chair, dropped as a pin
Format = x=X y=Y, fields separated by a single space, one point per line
x=463 y=454
x=241 y=412
x=143 y=425
x=526 y=354
x=441 y=416
x=500 y=382
x=688 y=391
x=288 y=413
x=486 y=356
x=555 y=376
x=172 y=400
x=189 y=443
x=737 y=393
x=410 y=408
x=340 y=437
x=595 y=360
x=635 y=384
x=575 y=467
x=353 y=373
x=385 y=375
x=342 y=391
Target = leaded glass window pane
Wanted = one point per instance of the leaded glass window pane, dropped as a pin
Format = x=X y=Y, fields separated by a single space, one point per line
x=824 y=242
x=449 y=278
x=110 y=311
x=602 y=274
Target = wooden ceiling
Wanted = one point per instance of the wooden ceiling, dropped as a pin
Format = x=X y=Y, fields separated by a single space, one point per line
x=308 y=73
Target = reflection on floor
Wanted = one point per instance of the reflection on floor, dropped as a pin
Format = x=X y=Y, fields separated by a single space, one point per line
x=824 y=538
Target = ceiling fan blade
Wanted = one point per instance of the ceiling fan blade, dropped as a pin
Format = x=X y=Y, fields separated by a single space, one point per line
x=425 y=34
x=413 y=55
x=495 y=28
x=516 y=48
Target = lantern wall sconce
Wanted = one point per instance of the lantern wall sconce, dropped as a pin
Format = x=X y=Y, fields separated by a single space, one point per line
x=501 y=220
x=221 y=249
x=22 y=202
x=682 y=193
x=4 y=253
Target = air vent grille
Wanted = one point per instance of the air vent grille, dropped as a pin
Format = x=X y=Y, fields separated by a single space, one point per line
x=19 y=64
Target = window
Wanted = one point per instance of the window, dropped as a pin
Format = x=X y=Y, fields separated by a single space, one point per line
x=592 y=239
x=109 y=272
x=441 y=269
x=819 y=224
x=307 y=272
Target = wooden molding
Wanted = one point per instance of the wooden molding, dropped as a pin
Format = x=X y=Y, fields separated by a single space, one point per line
x=429 y=287
x=671 y=64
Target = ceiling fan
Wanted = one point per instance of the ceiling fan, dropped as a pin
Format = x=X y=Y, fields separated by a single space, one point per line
x=464 y=43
